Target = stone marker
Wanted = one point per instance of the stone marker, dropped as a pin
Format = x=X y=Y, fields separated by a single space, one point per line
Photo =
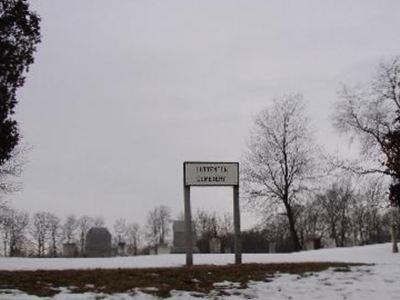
x=178 y=243
x=98 y=242
x=312 y=244
x=272 y=247
x=70 y=250
x=163 y=249
x=215 y=245
x=178 y=228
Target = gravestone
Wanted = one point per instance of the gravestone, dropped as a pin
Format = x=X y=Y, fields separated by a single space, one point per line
x=178 y=228
x=163 y=249
x=98 y=242
x=178 y=243
x=152 y=251
x=272 y=247
x=312 y=244
x=70 y=250
x=215 y=245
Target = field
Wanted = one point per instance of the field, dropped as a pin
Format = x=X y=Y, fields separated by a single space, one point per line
x=346 y=273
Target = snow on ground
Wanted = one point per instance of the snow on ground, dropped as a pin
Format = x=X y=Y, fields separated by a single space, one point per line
x=365 y=254
x=379 y=281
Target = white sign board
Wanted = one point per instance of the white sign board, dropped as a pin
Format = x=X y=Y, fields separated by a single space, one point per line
x=211 y=173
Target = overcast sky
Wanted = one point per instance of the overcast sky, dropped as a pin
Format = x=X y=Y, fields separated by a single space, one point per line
x=122 y=92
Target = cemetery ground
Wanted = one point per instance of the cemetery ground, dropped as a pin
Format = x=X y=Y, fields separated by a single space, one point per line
x=158 y=281
x=340 y=273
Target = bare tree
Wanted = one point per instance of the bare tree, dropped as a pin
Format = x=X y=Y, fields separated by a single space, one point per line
x=98 y=221
x=120 y=229
x=206 y=227
x=69 y=228
x=225 y=232
x=276 y=230
x=133 y=235
x=5 y=212
x=158 y=225
x=335 y=208
x=152 y=228
x=84 y=224
x=280 y=159
x=40 y=229
x=310 y=222
x=12 y=169
x=164 y=214
x=206 y=223
x=366 y=211
x=210 y=225
x=54 y=233
x=370 y=113
x=13 y=226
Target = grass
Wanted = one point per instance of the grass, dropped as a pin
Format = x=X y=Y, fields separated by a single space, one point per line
x=158 y=281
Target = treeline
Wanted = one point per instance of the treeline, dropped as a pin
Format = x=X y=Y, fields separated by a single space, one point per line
x=43 y=233
x=288 y=177
x=343 y=214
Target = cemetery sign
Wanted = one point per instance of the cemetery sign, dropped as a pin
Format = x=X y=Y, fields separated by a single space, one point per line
x=211 y=174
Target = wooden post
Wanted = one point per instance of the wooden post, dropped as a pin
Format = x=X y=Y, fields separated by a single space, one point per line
x=236 y=220
x=188 y=227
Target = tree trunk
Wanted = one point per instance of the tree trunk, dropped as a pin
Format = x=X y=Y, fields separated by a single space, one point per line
x=54 y=250
x=393 y=233
x=12 y=246
x=5 y=245
x=395 y=248
x=292 y=229
x=135 y=247
x=82 y=243
x=334 y=234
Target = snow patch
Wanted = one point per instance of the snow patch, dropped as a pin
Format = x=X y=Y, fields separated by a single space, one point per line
x=378 y=281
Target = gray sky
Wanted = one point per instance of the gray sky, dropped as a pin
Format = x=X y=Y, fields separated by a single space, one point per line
x=122 y=92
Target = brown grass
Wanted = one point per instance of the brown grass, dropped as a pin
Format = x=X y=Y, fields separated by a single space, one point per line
x=197 y=278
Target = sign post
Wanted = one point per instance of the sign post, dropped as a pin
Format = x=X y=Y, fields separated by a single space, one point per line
x=188 y=227
x=236 y=224
x=211 y=174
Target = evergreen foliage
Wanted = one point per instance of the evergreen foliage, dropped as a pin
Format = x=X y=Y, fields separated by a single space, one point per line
x=19 y=35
